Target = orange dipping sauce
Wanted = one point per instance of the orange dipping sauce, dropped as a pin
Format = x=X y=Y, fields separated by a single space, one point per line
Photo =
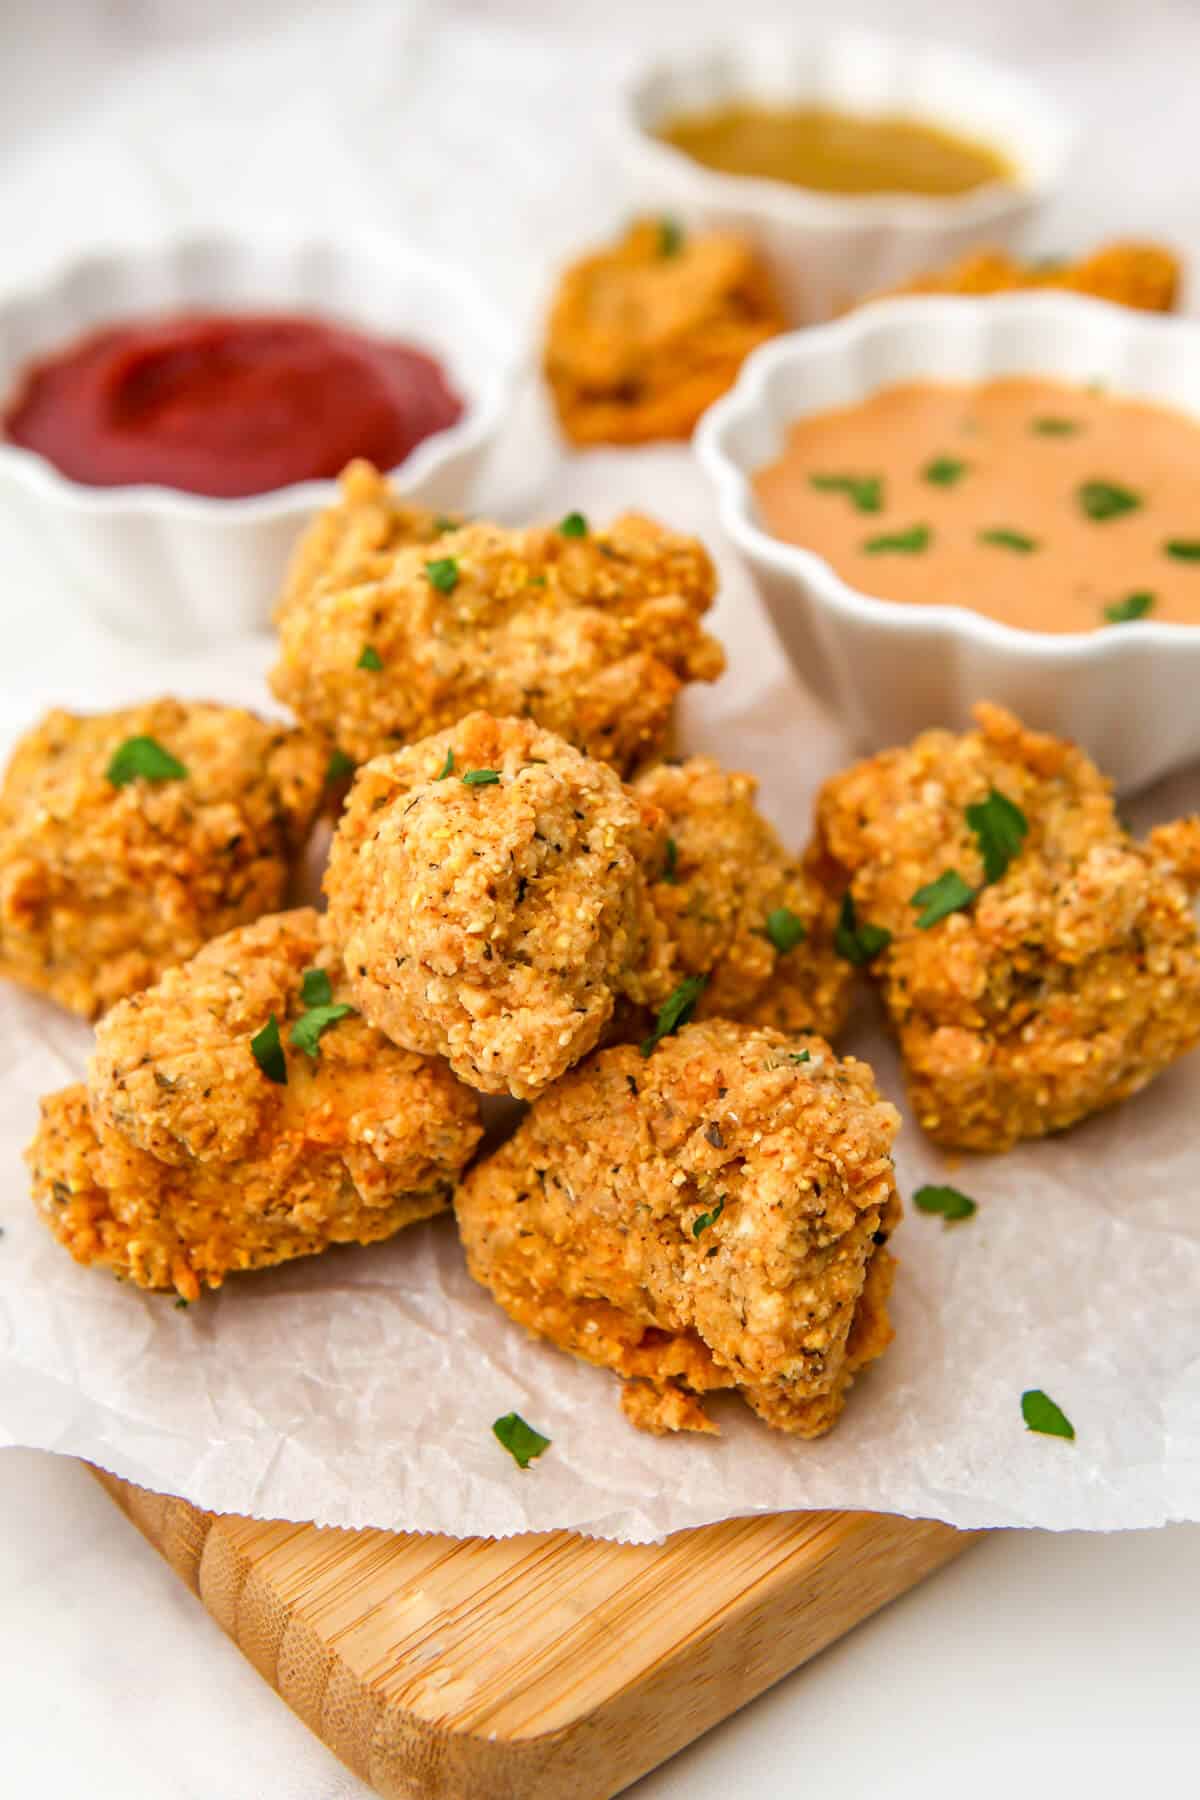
x=227 y=405
x=1046 y=506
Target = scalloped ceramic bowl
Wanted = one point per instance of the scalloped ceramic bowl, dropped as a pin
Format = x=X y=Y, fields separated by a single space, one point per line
x=828 y=249
x=1126 y=692
x=186 y=569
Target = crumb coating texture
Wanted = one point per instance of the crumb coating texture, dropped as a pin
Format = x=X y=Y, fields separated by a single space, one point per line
x=179 y=1161
x=1069 y=983
x=712 y=1216
x=1144 y=276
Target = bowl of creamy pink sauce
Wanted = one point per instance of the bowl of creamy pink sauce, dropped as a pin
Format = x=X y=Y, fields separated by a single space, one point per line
x=947 y=500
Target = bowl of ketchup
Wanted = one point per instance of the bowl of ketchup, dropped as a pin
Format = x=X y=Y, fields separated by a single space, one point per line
x=165 y=446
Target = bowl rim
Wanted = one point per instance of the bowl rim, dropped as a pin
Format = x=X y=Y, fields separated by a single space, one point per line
x=799 y=206
x=950 y=622
x=483 y=413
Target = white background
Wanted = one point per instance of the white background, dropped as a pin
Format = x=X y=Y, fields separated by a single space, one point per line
x=1046 y=1662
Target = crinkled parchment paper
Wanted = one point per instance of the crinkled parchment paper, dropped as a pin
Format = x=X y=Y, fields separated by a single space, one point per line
x=359 y=1387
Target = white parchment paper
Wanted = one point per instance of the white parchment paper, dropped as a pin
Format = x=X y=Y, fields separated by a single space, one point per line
x=359 y=1387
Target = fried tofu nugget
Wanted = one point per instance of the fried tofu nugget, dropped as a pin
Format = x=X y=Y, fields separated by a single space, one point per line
x=109 y=876
x=185 y=1157
x=645 y=334
x=590 y=633
x=738 y=909
x=488 y=889
x=1065 y=975
x=711 y=1216
x=1144 y=276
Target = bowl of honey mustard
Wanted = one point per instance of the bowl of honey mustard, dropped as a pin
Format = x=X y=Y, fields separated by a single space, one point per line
x=854 y=162
x=947 y=500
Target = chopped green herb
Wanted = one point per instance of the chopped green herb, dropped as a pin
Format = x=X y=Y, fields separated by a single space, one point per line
x=521 y=1441
x=799 y=1056
x=785 y=929
x=316 y=988
x=443 y=573
x=536 y=581
x=181 y=1304
x=670 y=237
x=1000 y=828
x=670 y=863
x=310 y=1026
x=1102 y=500
x=1133 y=606
x=442 y=523
x=339 y=767
x=948 y=894
x=1004 y=539
x=574 y=525
x=858 y=944
x=447 y=767
x=916 y=538
x=1183 y=549
x=675 y=1011
x=481 y=778
x=944 y=471
x=1048 y=427
x=143 y=759
x=864 y=492
x=268 y=1052
x=708 y=1218
x=950 y=1202
x=370 y=659
x=1041 y=1414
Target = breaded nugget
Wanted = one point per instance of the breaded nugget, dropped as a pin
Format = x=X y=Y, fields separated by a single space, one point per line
x=738 y=909
x=354 y=539
x=108 y=877
x=592 y=634
x=488 y=889
x=710 y=1216
x=645 y=334
x=1145 y=276
x=1056 y=985
x=181 y=1160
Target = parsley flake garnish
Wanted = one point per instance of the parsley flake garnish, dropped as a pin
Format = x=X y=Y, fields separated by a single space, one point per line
x=447 y=767
x=785 y=929
x=310 y=1026
x=1003 y=539
x=442 y=523
x=521 y=1441
x=858 y=944
x=181 y=1304
x=315 y=988
x=443 y=573
x=915 y=539
x=950 y=1202
x=675 y=1011
x=481 y=778
x=1183 y=549
x=1000 y=828
x=944 y=471
x=948 y=894
x=573 y=525
x=268 y=1052
x=1048 y=427
x=670 y=863
x=339 y=767
x=370 y=659
x=864 y=492
x=799 y=1056
x=144 y=759
x=1102 y=500
x=1133 y=606
x=708 y=1218
x=670 y=237
x=1041 y=1414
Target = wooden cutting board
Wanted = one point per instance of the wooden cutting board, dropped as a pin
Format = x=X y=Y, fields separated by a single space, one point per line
x=548 y=1667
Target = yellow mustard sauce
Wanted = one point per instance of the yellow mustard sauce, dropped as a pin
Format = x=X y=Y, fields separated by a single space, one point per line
x=836 y=152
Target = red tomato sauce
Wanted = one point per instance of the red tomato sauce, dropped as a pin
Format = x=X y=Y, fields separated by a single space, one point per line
x=227 y=405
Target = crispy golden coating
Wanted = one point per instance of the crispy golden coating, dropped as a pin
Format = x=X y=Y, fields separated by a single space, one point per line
x=180 y=1160
x=592 y=636
x=710 y=1216
x=354 y=539
x=103 y=887
x=1145 y=276
x=726 y=886
x=1068 y=983
x=645 y=334
x=496 y=924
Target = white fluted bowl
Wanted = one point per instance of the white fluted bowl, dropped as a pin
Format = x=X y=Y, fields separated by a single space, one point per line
x=1128 y=693
x=826 y=250
x=187 y=569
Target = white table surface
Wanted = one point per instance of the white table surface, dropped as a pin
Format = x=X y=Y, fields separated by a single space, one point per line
x=1036 y=1661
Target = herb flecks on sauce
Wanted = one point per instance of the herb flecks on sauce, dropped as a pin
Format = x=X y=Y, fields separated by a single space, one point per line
x=1103 y=500
x=1133 y=606
x=944 y=471
x=1002 y=537
x=864 y=492
x=910 y=542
